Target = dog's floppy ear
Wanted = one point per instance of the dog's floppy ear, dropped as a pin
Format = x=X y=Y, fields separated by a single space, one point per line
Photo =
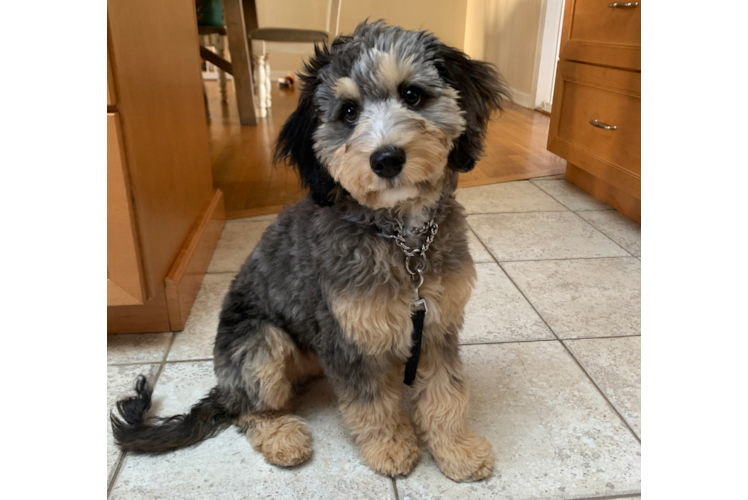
x=481 y=90
x=295 y=141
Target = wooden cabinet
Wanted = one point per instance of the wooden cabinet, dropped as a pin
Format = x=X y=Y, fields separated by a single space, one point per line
x=602 y=32
x=124 y=277
x=596 y=116
x=164 y=216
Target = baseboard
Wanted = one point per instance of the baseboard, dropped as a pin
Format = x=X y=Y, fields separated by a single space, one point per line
x=186 y=274
x=169 y=308
x=624 y=202
x=464 y=182
x=522 y=99
x=151 y=316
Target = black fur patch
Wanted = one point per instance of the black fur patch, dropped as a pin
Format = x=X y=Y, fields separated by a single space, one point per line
x=295 y=140
x=159 y=435
x=482 y=91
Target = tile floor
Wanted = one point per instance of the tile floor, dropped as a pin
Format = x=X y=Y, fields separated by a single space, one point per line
x=551 y=347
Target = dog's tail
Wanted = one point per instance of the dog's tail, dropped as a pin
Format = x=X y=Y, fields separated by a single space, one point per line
x=133 y=432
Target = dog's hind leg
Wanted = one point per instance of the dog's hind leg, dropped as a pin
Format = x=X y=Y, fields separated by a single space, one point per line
x=269 y=371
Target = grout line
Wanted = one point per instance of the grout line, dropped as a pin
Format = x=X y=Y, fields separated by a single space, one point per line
x=163 y=360
x=564 y=258
x=467 y=344
x=575 y=213
x=155 y=381
x=394 y=488
x=549 y=194
x=196 y=360
x=600 y=391
x=232 y=273
x=612 y=496
x=468 y=214
x=136 y=363
x=609 y=337
x=599 y=231
x=115 y=474
x=508 y=342
x=562 y=203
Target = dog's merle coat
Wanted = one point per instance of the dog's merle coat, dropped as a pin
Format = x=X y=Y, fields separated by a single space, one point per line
x=324 y=284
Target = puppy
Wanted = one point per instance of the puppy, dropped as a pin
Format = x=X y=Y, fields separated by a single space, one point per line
x=369 y=272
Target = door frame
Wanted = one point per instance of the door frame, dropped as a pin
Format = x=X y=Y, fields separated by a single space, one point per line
x=546 y=54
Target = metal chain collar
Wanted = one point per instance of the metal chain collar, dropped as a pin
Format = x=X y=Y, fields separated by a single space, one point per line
x=400 y=236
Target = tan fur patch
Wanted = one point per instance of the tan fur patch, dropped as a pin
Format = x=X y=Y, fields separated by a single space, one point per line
x=277 y=367
x=270 y=370
x=346 y=88
x=393 y=71
x=302 y=366
x=440 y=414
x=378 y=323
x=382 y=430
x=282 y=439
x=446 y=296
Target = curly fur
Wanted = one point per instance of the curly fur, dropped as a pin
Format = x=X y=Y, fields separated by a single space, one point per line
x=324 y=288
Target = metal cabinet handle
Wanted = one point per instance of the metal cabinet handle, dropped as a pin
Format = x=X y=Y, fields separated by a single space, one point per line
x=623 y=5
x=602 y=125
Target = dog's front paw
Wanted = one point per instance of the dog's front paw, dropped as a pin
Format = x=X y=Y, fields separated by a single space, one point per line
x=469 y=459
x=392 y=457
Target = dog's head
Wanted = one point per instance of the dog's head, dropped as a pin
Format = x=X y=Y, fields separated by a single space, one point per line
x=384 y=113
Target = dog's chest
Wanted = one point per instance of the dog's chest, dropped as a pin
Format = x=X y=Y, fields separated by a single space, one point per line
x=378 y=317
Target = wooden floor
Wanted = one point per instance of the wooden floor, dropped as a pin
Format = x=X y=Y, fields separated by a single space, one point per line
x=242 y=156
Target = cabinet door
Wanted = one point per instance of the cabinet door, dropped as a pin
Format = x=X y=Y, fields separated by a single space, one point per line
x=596 y=127
x=602 y=32
x=124 y=276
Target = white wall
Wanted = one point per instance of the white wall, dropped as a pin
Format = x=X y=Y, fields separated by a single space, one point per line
x=505 y=33
x=446 y=18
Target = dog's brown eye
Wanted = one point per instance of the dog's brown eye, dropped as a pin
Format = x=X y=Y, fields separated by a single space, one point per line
x=412 y=96
x=350 y=112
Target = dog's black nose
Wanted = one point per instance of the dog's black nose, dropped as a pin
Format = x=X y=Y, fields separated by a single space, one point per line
x=388 y=161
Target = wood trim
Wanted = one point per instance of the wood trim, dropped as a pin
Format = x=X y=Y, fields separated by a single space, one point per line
x=464 y=182
x=111 y=94
x=186 y=275
x=612 y=55
x=255 y=212
x=333 y=19
x=124 y=276
x=116 y=295
x=621 y=200
x=149 y=317
x=605 y=55
x=616 y=80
